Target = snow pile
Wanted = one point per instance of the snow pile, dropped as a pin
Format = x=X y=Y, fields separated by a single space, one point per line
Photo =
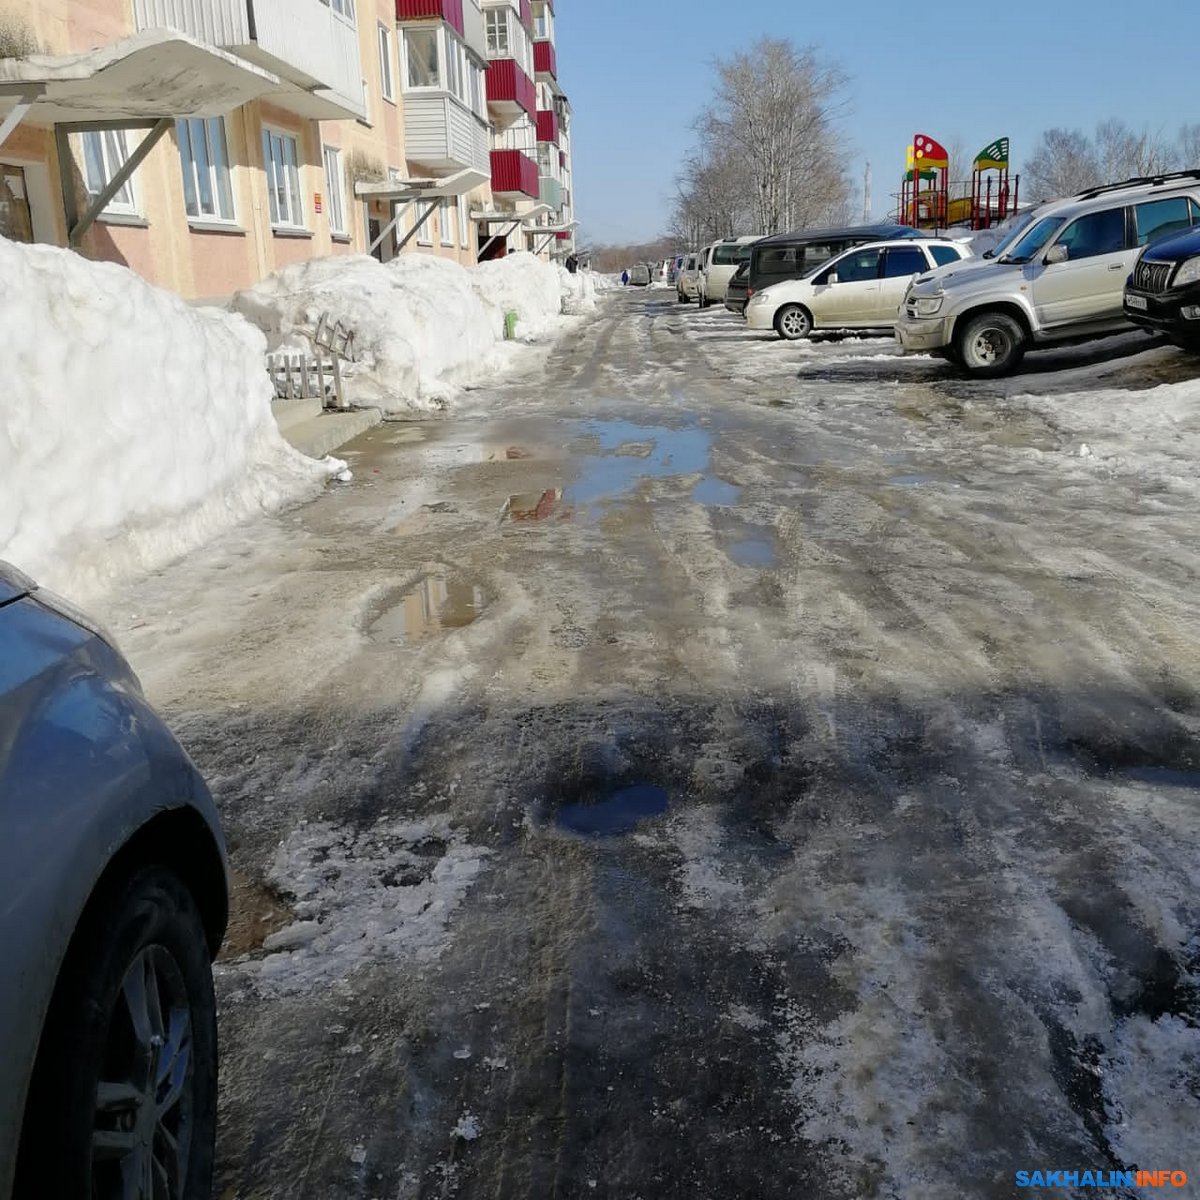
x=578 y=291
x=388 y=891
x=423 y=326
x=134 y=426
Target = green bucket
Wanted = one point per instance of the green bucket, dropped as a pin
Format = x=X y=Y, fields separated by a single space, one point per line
x=510 y=325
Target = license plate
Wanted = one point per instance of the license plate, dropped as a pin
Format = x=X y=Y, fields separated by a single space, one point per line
x=1138 y=302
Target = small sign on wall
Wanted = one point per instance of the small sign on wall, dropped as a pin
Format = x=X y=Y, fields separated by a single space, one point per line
x=316 y=202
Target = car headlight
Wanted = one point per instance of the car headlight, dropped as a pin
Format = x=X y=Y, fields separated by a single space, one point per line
x=759 y=299
x=1188 y=273
x=928 y=306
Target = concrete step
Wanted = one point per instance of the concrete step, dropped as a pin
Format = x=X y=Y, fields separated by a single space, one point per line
x=324 y=434
x=289 y=413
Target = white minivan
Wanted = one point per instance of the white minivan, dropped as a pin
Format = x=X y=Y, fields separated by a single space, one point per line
x=718 y=265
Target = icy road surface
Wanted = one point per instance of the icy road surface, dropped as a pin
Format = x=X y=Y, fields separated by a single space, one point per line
x=712 y=768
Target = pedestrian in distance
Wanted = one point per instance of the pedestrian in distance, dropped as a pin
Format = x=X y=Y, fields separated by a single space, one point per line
x=624 y=278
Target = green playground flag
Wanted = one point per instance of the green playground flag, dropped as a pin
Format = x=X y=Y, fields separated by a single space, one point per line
x=993 y=157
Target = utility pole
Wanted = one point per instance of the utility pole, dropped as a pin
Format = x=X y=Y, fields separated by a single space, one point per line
x=867 y=194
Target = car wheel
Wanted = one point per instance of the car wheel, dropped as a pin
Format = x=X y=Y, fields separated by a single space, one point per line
x=793 y=323
x=124 y=1099
x=682 y=298
x=991 y=344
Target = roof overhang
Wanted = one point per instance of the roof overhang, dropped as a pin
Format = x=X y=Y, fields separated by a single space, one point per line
x=150 y=75
x=500 y=217
x=458 y=184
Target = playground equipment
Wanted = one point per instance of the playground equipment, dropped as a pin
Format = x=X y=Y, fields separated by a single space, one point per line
x=985 y=200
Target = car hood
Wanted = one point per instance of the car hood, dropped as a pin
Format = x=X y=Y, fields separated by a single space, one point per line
x=963 y=274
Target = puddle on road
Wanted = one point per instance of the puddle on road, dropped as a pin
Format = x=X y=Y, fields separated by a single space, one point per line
x=753 y=552
x=1164 y=776
x=532 y=506
x=434 y=604
x=630 y=453
x=620 y=813
x=255 y=912
x=714 y=492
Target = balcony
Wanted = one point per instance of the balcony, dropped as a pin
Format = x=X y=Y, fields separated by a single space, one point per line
x=450 y=11
x=550 y=191
x=514 y=174
x=509 y=89
x=547 y=126
x=545 y=62
x=443 y=136
x=308 y=45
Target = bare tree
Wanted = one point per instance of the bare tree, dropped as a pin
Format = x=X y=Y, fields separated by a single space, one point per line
x=777 y=107
x=1188 y=157
x=1063 y=163
x=1125 y=154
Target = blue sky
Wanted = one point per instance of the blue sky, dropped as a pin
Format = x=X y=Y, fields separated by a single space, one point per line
x=638 y=71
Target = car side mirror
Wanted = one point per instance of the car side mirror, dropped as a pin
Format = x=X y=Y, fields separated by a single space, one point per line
x=831 y=278
x=1057 y=254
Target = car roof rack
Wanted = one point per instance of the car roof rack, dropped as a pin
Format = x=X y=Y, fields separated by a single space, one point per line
x=1137 y=181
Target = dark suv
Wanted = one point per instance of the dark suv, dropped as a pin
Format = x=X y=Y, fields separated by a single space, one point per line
x=1163 y=293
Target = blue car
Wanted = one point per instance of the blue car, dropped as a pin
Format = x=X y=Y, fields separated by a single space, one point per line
x=113 y=905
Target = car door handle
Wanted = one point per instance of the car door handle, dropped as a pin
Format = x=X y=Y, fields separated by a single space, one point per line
x=1117 y=267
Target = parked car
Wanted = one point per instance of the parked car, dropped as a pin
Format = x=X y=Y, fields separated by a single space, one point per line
x=1163 y=293
x=1061 y=280
x=718 y=263
x=861 y=288
x=687 y=286
x=113 y=904
x=739 y=285
x=639 y=275
x=794 y=255
x=676 y=267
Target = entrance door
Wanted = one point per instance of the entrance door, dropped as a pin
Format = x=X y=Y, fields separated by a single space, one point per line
x=16 y=221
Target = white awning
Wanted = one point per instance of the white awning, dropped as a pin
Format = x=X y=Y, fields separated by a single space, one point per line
x=150 y=75
x=458 y=184
x=495 y=217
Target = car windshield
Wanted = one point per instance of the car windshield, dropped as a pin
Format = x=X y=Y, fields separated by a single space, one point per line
x=727 y=255
x=1016 y=227
x=1033 y=241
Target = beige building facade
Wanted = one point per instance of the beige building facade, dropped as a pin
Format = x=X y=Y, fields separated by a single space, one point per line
x=273 y=131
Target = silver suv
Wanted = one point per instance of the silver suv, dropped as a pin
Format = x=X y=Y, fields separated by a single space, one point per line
x=1062 y=279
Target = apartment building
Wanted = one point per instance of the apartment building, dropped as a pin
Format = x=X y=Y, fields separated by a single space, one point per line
x=206 y=143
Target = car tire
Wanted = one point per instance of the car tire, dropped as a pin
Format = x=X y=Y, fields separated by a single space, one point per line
x=991 y=344
x=126 y=1076
x=702 y=300
x=793 y=322
x=683 y=299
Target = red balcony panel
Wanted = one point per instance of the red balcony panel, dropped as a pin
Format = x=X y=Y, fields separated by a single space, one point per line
x=450 y=11
x=547 y=126
x=564 y=236
x=514 y=172
x=545 y=59
x=527 y=14
x=508 y=84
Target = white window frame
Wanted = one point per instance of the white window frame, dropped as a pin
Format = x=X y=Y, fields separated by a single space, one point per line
x=112 y=156
x=425 y=233
x=448 y=219
x=343 y=9
x=442 y=64
x=464 y=222
x=191 y=169
x=500 y=18
x=335 y=191
x=541 y=17
x=294 y=218
x=387 y=81
x=365 y=119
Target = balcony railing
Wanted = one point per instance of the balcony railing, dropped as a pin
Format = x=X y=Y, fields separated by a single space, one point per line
x=545 y=61
x=509 y=87
x=450 y=11
x=547 y=126
x=514 y=173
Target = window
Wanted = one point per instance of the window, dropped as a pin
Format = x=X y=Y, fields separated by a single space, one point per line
x=476 y=88
x=498 y=43
x=281 y=161
x=365 y=119
x=545 y=166
x=104 y=154
x=858 y=267
x=541 y=22
x=1097 y=233
x=334 y=191
x=343 y=8
x=944 y=255
x=464 y=222
x=386 y=85
x=449 y=219
x=454 y=67
x=204 y=156
x=1033 y=240
x=1158 y=219
x=905 y=261
x=424 y=58
x=726 y=254
x=425 y=233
